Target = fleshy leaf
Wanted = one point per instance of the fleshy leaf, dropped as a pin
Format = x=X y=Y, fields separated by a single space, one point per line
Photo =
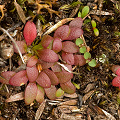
x=29 y=32
x=75 y=33
x=6 y=76
x=39 y=96
x=87 y=55
x=116 y=81
x=41 y=89
x=85 y=11
x=70 y=47
x=68 y=58
x=56 y=68
x=32 y=73
x=57 y=45
x=59 y=92
x=46 y=40
x=53 y=78
x=50 y=92
x=93 y=23
x=44 y=64
x=82 y=49
x=19 y=79
x=32 y=61
x=43 y=80
x=96 y=31
x=77 y=22
x=47 y=55
x=30 y=93
x=79 y=60
x=115 y=68
x=22 y=46
x=62 y=32
x=64 y=76
x=92 y=63
x=68 y=87
x=78 y=41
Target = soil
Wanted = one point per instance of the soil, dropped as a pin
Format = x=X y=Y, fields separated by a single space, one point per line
x=97 y=98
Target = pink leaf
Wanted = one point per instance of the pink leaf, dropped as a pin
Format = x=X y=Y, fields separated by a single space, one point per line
x=57 y=45
x=6 y=76
x=43 y=80
x=32 y=73
x=68 y=87
x=22 y=46
x=50 y=92
x=75 y=33
x=44 y=64
x=77 y=22
x=56 y=68
x=46 y=40
x=48 y=55
x=79 y=60
x=68 y=58
x=29 y=32
x=53 y=78
x=70 y=47
x=116 y=81
x=64 y=76
x=39 y=96
x=32 y=61
x=19 y=79
x=62 y=32
x=30 y=93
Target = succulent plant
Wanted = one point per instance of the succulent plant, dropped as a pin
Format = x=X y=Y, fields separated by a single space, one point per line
x=43 y=73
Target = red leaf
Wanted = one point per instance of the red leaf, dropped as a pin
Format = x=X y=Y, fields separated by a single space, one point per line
x=44 y=64
x=30 y=93
x=19 y=79
x=77 y=22
x=75 y=33
x=57 y=45
x=51 y=92
x=32 y=73
x=32 y=61
x=70 y=47
x=53 y=78
x=48 y=55
x=68 y=87
x=116 y=81
x=79 y=60
x=7 y=75
x=43 y=80
x=46 y=40
x=68 y=58
x=64 y=76
x=29 y=32
x=39 y=96
x=62 y=32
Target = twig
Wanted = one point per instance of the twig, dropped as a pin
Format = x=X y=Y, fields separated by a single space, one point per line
x=60 y=23
x=13 y=42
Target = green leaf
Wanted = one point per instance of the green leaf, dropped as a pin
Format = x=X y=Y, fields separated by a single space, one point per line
x=87 y=55
x=37 y=47
x=76 y=85
x=96 y=32
x=87 y=21
x=93 y=24
x=59 y=92
x=82 y=49
x=85 y=11
x=79 y=14
x=78 y=41
x=92 y=63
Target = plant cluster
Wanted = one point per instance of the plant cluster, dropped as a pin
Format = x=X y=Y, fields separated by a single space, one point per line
x=49 y=62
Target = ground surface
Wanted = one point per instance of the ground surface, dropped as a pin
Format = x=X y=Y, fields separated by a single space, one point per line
x=97 y=98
